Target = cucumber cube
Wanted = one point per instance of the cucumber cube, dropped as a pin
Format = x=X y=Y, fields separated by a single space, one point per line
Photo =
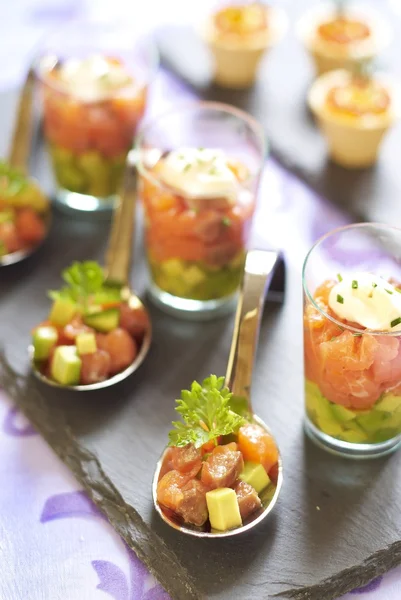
x=44 y=339
x=62 y=311
x=86 y=343
x=66 y=365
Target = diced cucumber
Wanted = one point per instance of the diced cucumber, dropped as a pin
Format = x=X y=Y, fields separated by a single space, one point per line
x=104 y=320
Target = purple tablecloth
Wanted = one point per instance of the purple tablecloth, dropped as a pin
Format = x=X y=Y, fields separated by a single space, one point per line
x=54 y=543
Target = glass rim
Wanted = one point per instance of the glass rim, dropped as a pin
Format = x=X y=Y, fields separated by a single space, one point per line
x=308 y=294
x=255 y=126
x=40 y=53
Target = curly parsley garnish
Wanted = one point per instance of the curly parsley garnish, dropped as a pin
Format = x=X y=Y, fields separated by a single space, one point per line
x=86 y=285
x=206 y=414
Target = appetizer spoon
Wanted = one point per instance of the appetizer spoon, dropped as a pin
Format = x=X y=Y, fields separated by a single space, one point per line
x=118 y=262
x=260 y=266
x=19 y=156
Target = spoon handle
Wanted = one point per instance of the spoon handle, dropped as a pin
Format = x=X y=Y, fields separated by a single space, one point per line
x=21 y=140
x=259 y=268
x=119 y=251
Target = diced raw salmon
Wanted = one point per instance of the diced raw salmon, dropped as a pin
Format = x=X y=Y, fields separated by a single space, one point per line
x=95 y=367
x=222 y=467
x=187 y=460
x=257 y=445
x=248 y=499
x=169 y=489
x=193 y=507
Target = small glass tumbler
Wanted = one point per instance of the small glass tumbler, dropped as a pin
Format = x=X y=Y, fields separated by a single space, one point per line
x=94 y=79
x=353 y=372
x=196 y=246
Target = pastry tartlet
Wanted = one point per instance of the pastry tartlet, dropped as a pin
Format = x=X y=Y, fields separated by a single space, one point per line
x=354 y=113
x=339 y=38
x=238 y=35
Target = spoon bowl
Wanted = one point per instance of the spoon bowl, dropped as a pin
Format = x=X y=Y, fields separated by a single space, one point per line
x=260 y=266
x=118 y=262
x=18 y=159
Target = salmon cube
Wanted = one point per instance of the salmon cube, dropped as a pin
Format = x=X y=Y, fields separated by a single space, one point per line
x=248 y=499
x=167 y=464
x=257 y=445
x=193 y=507
x=169 y=490
x=187 y=459
x=222 y=467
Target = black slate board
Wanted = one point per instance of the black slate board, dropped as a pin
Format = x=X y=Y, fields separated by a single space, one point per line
x=337 y=523
x=278 y=100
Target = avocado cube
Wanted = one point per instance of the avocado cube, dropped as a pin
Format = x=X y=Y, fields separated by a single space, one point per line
x=223 y=508
x=342 y=414
x=44 y=338
x=388 y=403
x=255 y=474
x=193 y=275
x=6 y=216
x=173 y=267
x=66 y=365
x=371 y=421
x=86 y=343
x=62 y=311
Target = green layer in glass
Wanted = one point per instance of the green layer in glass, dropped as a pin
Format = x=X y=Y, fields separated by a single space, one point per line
x=87 y=173
x=380 y=423
x=195 y=280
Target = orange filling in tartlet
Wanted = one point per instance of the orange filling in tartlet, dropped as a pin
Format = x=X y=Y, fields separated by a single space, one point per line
x=343 y=31
x=243 y=20
x=358 y=98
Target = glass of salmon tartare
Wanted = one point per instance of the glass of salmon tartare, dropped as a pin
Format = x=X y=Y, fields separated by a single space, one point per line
x=352 y=340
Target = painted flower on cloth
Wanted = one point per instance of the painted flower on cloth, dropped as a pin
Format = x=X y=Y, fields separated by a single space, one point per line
x=137 y=585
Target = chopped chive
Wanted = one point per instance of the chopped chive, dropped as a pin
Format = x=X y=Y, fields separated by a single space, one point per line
x=333 y=338
x=357 y=334
x=339 y=277
x=398 y=290
x=200 y=149
x=340 y=299
x=374 y=285
x=354 y=284
x=370 y=295
x=213 y=171
x=187 y=167
x=226 y=221
x=396 y=322
x=389 y=291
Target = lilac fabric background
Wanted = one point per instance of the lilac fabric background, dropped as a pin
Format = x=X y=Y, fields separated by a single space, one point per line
x=54 y=544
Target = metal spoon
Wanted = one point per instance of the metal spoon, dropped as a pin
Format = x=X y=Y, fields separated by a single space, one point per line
x=118 y=263
x=260 y=266
x=19 y=157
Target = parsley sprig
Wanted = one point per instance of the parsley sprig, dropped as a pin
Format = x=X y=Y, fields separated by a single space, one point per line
x=206 y=414
x=85 y=285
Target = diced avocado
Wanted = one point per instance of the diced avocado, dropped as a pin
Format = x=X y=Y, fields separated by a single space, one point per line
x=255 y=475
x=104 y=320
x=98 y=172
x=44 y=338
x=67 y=173
x=62 y=311
x=342 y=414
x=86 y=343
x=238 y=261
x=3 y=249
x=62 y=155
x=392 y=421
x=66 y=365
x=388 y=403
x=193 y=275
x=371 y=421
x=173 y=267
x=6 y=216
x=223 y=509
x=353 y=433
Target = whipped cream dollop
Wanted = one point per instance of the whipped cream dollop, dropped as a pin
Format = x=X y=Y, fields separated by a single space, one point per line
x=368 y=300
x=92 y=78
x=199 y=173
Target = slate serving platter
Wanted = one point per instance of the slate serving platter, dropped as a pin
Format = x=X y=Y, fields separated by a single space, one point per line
x=337 y=524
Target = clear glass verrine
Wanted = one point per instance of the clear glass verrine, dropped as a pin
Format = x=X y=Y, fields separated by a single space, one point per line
x=196 y=245
x=89 y=132
x=353 y=372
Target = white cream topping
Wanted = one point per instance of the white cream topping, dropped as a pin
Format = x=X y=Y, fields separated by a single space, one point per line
x=92 y=78
x=368 y=300
x=199 y=173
